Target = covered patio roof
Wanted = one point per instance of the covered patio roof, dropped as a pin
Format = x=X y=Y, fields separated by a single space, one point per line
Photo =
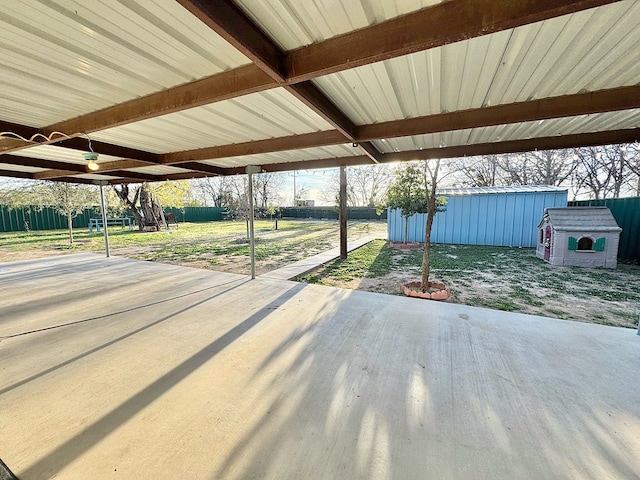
x=174 y=90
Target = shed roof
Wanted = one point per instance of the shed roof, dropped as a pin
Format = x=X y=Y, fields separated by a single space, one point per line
x=208 y=88
x=457 y=191
x=582 y=218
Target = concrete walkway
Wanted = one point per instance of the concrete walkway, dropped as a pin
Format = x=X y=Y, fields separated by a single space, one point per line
x=117 y=368
x=306 y=265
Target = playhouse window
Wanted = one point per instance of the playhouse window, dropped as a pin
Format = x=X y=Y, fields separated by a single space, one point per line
x=541 y=239
x=585 y=243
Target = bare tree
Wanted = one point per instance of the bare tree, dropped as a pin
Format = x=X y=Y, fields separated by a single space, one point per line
x=218 y=190
x=481 y=171
x=540 y=167
x=366 y=185
x=266 y=189
x=632 y=159
x=604 y=170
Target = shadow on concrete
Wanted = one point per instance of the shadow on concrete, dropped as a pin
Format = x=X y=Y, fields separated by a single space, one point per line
x=55 y=460
x=391 y=396
x=118 y=339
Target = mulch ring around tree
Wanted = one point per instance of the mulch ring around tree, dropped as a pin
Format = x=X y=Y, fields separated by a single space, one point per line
x=435 y=291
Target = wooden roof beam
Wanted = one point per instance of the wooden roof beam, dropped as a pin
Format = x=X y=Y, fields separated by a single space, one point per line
x=493 y=148
x=519 y=146
x=14 y=174
x=41 y=163
x=563 y=106
x=435 y=26
x=278 y=144
x=622 y=98
x=228 y=21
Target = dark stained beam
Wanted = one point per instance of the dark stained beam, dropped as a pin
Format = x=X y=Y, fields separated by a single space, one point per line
x=371 y=150
x=614 y=99
x=228 y=21
x=67 y=170
x=578 y=104
x=292 y=142
x=313 y=98
x=222 y=86
x=122 y=165
x=513 y=146
x=519 y=146
x=308 y=164
x=10 y=143
x=22 y=130
x=14 y=174
x=41 y=163
x=431 y=27
x=234 y=26
x=204 y=168
x=82 y=144
x=187 y=175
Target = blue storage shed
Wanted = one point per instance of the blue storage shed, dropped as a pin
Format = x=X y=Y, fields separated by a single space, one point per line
x=502 y=216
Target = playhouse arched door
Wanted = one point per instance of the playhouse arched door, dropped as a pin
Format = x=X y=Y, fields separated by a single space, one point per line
x=547 y=243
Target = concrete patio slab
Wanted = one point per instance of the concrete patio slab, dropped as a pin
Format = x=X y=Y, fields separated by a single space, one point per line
x=116 y=368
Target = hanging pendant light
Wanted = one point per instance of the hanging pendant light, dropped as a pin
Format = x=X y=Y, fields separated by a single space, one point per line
x=91 y=158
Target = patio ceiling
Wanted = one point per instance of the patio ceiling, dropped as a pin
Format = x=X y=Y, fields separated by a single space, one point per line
x=185 y=89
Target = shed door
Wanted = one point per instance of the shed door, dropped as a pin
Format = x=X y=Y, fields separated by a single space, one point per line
x=547 y=243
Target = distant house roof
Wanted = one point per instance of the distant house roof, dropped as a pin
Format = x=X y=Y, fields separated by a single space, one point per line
x=573 y=219
x=455 y=191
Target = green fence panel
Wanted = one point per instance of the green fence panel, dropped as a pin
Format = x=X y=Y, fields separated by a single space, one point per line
x=22 y=219
x=626 y=211
x=197 y=214
x=331 y=213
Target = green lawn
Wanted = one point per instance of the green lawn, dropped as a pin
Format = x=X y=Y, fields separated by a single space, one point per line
x=510 y=279
x=217 y=245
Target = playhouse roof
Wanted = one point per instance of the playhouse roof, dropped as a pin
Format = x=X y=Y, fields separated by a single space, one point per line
x=582 y=219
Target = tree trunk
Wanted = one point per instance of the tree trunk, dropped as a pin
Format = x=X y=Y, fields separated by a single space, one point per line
x=70 y=224
x=427 y=244
x=406 y=229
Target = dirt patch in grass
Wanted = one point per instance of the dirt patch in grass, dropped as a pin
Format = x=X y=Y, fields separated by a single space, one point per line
x=509 y=279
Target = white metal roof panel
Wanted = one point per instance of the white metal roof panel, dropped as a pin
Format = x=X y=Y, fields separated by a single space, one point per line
x=68 y=57
x=295 y=24
x=555 y=57
x=541 y=128
x=274 y=113
x=332 y=151
x=19 y=168
x=96 y=177
x=159 y=170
